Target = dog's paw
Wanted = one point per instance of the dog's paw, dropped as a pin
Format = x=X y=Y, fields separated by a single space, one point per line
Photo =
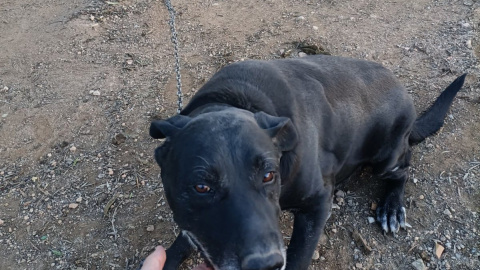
x=391 y=214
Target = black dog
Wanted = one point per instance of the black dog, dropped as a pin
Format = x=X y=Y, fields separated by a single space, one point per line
x=263 y=136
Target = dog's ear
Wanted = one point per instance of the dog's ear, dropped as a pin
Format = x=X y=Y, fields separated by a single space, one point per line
x=281 y=130
x=160 y=129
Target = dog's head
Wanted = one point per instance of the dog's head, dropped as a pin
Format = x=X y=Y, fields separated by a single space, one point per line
x=221 y=177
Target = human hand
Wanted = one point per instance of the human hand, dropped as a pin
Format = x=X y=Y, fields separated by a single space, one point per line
x=156 y=261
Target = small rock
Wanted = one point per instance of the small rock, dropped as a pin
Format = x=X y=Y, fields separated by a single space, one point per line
x=79 y=200
x=1 y=222
x=119 y=139
x=371 y=220
x=469 y=43
x=316 y=255
x=340 y=201
x=359 y=265
x=418 y=264
x=302 y=54
x=415 y=180
x=340 y=194
x=73 y=148
x=447 y=212
x=468 y=3
x=421 y=197
x=301 y=18
x=425 y=256
x=373 y=206
x=95 y=93
x=4 y=115
x=73 y=205
x=315 y=27
x=439 y=250
x=110 y=171
x=150 y=228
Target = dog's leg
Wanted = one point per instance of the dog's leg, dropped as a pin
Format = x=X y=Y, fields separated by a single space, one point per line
x=391 y=210
x=307 y=227
x=178 y=252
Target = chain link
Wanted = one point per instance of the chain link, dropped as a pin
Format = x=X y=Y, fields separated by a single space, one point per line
x=177 y=57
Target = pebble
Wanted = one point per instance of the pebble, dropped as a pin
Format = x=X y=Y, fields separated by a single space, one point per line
x=1 y=222
x=359 y=265
x=371 y=220
x=150 y=228
x=73 y=205
x=73 y=148
x=4 y=115
x=447 y=212
x=418 y=264
x=421 y=197
x=468 y=3
x=315 y=27
x=110 y=171
x=95 y=93
x=316 y=255
x=439 y=250
x=469 y=43
x=79 y=200
x=340 y=194
x=302 y=54
x=373 y=206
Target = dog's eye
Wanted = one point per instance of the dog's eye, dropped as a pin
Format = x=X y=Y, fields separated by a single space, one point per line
x=202 y=188
x=268 y=177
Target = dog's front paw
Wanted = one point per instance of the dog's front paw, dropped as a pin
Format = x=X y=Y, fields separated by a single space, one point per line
x=391 y=214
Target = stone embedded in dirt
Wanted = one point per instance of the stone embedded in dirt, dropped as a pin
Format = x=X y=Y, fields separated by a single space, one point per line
x=73 y=205
x=468 y=3
x=371 y=220
x=425 y=256
x=94 y=93
x=302 y=54
x=447 y=212
x=373 y=206
x=1 y=222
x=316 y=255
x=150 y=228
x=419 y=265
x=421 y=197
x=73 y=148
x=118 y=139
x=340 y=201
x=359 y=265
x=340 y=194
x=438 y=250
x=469 y=44
x=79 y=200
x=110 y=171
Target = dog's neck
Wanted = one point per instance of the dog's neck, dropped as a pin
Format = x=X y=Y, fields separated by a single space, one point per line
x=240 y=96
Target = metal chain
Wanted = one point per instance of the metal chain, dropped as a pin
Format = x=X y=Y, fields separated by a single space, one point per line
x=177 y=57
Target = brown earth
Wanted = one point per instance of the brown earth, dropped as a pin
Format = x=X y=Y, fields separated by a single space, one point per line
x=80 y=81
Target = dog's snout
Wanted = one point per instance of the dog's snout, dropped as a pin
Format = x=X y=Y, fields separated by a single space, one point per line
x=270 y=261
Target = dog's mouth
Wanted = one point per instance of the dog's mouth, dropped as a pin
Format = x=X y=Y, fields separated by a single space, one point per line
x=232 y=264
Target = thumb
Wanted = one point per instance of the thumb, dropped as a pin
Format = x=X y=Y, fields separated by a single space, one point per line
x=156 y=260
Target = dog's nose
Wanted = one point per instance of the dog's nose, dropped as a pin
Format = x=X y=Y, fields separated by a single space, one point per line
x=270 y=261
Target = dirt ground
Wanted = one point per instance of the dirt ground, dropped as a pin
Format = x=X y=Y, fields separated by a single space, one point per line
x=80 y=81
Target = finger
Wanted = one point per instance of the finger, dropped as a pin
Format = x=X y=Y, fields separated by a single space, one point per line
x=156 y=260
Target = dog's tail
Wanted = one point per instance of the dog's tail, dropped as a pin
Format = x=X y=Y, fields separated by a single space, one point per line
x=432 y=119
